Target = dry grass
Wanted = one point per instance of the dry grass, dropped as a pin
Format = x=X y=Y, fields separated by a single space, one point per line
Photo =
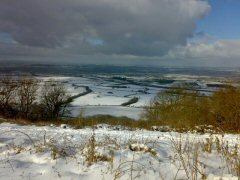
x=82 y=122
x=189 y=156
x=92 y=147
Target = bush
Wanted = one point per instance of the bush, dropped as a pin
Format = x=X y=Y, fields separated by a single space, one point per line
x=54 y=100
x=226 y=108
x=183 y=107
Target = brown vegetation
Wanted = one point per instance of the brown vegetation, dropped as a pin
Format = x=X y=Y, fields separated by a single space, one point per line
x=178 y=107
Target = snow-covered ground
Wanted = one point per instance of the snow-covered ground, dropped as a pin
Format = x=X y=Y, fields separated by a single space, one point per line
x=110 y=92
x=31 y=152
x=107 y=96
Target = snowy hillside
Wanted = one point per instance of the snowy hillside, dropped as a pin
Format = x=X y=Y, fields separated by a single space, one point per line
x=31 y=152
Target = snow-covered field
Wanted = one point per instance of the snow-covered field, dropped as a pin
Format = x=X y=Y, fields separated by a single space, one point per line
x=31 y=152
x=109 y=92
x=107 y=96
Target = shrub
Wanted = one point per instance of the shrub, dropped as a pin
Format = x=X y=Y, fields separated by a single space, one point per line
x=226 y=108
x=54 y=100
x=184 y=107
x=176 y=106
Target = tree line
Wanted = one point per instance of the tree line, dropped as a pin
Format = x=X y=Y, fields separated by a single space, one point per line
x=29 y=98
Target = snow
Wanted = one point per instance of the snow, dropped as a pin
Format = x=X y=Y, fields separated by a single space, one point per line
x=94 y=99
x=225 y=177
x=49 y=152
x=108 y=94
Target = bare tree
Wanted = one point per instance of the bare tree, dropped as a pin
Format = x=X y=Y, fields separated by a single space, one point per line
x=26 y=95
x=7 y=95
x=54 y=100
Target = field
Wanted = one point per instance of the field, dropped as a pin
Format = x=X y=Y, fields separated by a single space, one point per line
x=110 y=92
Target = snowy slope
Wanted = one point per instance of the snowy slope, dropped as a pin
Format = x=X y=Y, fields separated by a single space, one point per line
x=31 y=152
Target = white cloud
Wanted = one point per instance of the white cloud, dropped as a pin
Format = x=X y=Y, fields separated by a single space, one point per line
x=221 y=49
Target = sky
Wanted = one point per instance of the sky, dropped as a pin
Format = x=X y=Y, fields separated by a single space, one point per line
x=223 y=22
x=126 y=32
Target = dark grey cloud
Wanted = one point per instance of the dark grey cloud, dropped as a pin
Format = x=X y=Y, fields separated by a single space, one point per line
x=200 y=52
x=123 y=27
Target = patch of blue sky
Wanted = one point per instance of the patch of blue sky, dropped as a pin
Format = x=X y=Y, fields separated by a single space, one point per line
x=6 y=38
x=95 y=41
x=223 y=22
